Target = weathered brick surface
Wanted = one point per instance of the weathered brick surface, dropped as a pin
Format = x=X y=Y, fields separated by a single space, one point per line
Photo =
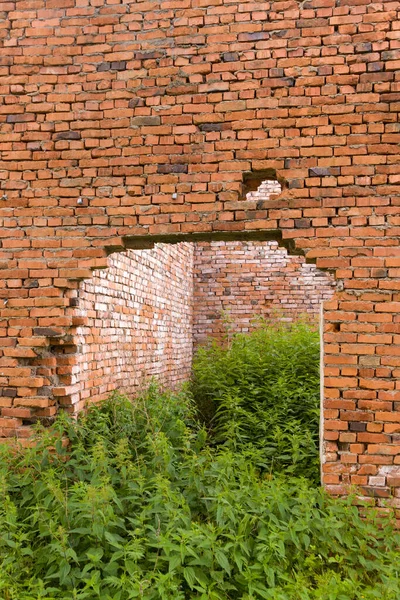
x=137 y=324
x=237 y=283
x=280 y=85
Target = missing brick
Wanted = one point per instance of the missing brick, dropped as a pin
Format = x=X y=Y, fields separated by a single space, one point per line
x=263 y=183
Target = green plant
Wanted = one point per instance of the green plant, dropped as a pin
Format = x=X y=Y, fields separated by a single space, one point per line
x=260 y=394
x=141 y=506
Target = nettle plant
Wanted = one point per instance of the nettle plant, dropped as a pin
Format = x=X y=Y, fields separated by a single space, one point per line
x=260 y=394
x=146 y=503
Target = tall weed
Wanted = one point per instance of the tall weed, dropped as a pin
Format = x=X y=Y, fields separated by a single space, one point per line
x=260 y=394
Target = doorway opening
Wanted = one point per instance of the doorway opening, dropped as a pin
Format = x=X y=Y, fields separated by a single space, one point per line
x=146 y=314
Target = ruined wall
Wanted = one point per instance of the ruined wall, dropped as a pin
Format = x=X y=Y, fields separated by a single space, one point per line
x=142 y=316
x=238 y=282
x=138 y=322
x=124 y=122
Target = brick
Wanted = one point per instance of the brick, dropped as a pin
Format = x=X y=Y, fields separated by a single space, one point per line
x=68 y=135
x=383 y=449
x=10 y=423
x=145 y=121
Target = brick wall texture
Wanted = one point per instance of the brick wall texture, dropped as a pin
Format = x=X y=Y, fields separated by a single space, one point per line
x=138 y=323
x=237 y=283
x=125 y=122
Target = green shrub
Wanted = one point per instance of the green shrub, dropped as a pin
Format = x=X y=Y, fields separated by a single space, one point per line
x=140 y=506
x=261 y=394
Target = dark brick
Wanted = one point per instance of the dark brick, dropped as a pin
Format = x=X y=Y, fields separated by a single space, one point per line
x=10 y=392
x=364 y=47
x=20 y=118
x=104 y=66
x=68 y=135
x=376 y=66
x=390 y=55
x=31 y=283
x=253 y=37
x=176 y=89
x=150 y=92
x=211 y=127
x=45 y=391
x=230 y=56
x=178 y=168
x=276 y=72
x=134 y=102
x=380 y=273
x=295 y=184
x=149 y=55
x=302 y=223
x=118 y=65
x=279 y=34
x=375 y=492
x=46 y=331
x=319 y=172
x=145 y=121
x=357 y=426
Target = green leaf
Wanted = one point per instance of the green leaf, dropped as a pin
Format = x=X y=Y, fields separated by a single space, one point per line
x=190 y=576
x=222 y=560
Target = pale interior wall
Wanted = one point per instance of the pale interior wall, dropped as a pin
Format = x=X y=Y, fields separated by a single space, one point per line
x=236 y=283
x=139 y=315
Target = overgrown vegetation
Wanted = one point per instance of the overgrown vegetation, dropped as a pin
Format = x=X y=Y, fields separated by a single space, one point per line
x=142 y=505
x=260 y=395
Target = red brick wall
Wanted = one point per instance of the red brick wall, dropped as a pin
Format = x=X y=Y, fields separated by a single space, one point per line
x=245 y=280
x=154 y=113
x=138 y=322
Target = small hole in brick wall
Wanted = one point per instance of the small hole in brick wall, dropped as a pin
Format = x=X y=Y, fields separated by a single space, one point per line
x=264 y=184
x=269 y=190
x=332 y=327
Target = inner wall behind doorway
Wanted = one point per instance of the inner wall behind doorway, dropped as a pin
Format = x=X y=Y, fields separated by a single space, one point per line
x=148 y=311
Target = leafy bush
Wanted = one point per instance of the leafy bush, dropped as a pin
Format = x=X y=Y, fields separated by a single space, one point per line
x=140 y=506
x=261 y=394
